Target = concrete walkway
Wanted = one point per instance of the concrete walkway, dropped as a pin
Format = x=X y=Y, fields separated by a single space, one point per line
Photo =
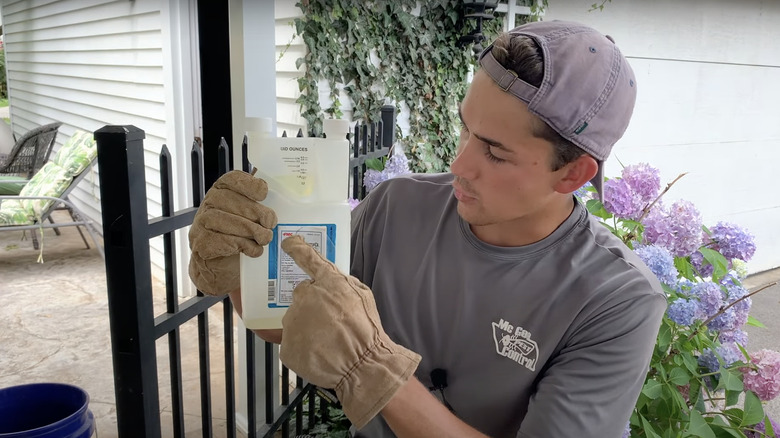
x=54 y=327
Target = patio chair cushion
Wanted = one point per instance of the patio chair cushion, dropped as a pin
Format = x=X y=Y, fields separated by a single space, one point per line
x=11 y=185
x=51 y=180
x=12 y=213
x=77 y=153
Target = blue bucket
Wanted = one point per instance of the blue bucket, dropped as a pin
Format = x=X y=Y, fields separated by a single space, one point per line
x=45 y=410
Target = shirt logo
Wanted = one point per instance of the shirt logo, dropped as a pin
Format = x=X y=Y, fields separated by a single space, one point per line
x=515 y=343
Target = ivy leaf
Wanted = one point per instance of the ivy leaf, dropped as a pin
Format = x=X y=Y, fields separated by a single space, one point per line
x=754 y=322
x=698 y=427
x=754 y=411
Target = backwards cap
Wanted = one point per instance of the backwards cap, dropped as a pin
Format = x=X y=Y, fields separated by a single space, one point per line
x=588 y=91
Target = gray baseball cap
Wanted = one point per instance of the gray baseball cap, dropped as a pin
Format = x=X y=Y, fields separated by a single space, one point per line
x=588 y=90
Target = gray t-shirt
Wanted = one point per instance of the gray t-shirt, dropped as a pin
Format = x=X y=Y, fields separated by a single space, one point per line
x=551 y=339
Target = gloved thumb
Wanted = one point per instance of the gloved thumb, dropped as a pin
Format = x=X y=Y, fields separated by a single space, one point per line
x=308 y=259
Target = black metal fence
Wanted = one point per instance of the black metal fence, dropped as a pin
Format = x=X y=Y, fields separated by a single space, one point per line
x=135 y=328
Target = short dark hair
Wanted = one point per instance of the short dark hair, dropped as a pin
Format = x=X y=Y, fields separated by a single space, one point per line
x=523 y=56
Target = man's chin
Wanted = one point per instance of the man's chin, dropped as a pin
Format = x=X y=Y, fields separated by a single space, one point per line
x=470 y=216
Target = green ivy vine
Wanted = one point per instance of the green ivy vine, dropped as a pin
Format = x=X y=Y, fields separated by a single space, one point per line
x=381 y=52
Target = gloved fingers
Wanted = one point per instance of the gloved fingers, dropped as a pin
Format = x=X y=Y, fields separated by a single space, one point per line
x=238 y=204
x=308 y=259
x=210 y=245
x=241 y=182
x=228 y=224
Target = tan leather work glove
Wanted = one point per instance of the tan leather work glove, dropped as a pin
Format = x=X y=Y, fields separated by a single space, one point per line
x=333 y=338
x=229 y=221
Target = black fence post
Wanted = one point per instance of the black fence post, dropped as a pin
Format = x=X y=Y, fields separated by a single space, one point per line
x=388 y=125
x=128 y=279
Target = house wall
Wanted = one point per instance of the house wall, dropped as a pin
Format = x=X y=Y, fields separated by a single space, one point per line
x=91 y=63
x=708 y=75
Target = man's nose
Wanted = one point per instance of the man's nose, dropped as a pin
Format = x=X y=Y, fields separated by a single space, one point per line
x=466 y=161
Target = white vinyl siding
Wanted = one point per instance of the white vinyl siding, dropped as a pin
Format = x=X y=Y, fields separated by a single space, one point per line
x=87 y=64
x=289 y=47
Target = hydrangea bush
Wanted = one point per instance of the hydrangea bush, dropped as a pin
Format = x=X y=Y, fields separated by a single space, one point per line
x=702 y=381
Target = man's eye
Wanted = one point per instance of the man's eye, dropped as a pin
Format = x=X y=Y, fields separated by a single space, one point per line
x=492 y=157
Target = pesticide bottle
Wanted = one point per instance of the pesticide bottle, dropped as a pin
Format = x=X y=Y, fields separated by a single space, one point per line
x=307 y=188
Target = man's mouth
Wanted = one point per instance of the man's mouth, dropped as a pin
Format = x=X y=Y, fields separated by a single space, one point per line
x=462 y=195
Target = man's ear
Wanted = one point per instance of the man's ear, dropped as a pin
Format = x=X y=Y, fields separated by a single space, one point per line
x=575 y=174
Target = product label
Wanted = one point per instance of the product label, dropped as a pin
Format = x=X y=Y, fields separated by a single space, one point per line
x=283 y=274
x=296 y=160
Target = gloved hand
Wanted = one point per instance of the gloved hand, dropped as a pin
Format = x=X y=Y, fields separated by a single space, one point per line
x=334 y=339
x=229 y=221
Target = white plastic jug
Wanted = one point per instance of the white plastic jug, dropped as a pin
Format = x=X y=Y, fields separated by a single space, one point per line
x=308 y=183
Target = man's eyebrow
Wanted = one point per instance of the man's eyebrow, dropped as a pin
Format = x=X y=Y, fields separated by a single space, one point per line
x=490 y=142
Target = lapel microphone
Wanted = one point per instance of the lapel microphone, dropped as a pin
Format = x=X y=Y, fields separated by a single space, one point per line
x=439 y=382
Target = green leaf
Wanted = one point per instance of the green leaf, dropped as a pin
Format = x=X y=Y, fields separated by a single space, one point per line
x=664 y=336
x=690 y=362
x=698 y=427
x=729 y=381
x=754 y=322
x=596 y=208
x=754 y=411
x=684 y=267
x=732 y=397
x=723 y=430
x=375 y=163
x=649 y=430
x=652 y=389
x=679 y=377
x=770 y=430
x=734 y=415
x=718 y=262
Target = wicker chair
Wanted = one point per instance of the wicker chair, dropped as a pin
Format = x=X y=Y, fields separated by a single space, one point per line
x=30 y=152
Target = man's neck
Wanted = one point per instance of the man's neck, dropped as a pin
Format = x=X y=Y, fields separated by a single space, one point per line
x=528 y=229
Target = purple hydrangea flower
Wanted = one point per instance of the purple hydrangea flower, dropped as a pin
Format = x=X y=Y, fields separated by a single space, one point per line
x=353 y=203
x=583 y=193
x=683 y=311
x=684 y=286
x=761 y=429
x=736 y=336
x=660 y=261
x=710 y=298
x=735 y=293
x=764 y=380
x=725 y=321
x=372 y=178
x=627 y=431
x=396 y=165
x=733 y=241
x=705 y=269
x=677 y=228
x=729 y=353
x=644 y=180
x=621 y=200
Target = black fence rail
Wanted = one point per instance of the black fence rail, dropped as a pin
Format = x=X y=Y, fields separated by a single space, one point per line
x=135 y=329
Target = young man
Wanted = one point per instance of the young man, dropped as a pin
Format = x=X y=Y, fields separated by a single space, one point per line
x=485 y=302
